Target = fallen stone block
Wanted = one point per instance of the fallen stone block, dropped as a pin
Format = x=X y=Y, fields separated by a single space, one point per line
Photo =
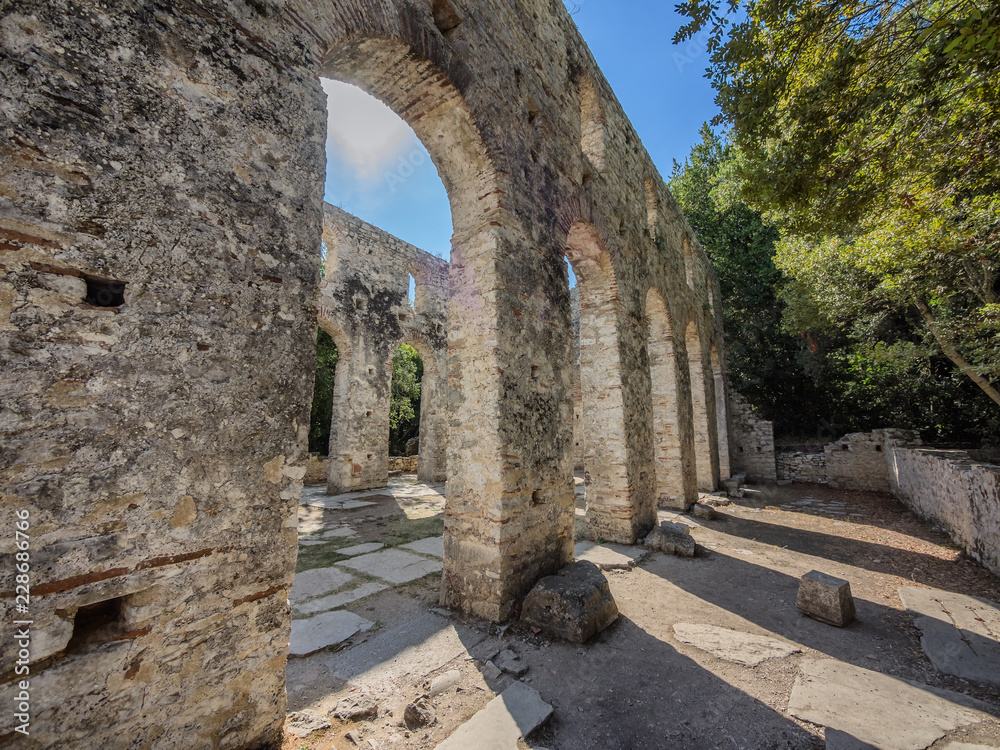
x=418 y=714
x=574 y=605
x=671 y=539
x=826 y=598
x=704 y=511
x=734 y=486
x=511 y=663
x=304 y=723
x=356 y=708
x=512 y=715
x=445 y=682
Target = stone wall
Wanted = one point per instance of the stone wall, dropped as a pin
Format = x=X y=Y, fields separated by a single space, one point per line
x=406 y=464
x=364 y=305
x=801 y=466
x=160 y=224
x=316 y=469
x=954 y=491
x=751 y=441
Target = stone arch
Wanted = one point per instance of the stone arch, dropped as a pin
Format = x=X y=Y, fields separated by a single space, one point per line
x=705 y=448
x=347 y=389
x=611 y=511
x=721 y=412
x=675 y=482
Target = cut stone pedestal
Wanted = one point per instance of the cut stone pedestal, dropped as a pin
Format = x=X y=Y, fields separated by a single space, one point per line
x=826 y=598
x=574 y=605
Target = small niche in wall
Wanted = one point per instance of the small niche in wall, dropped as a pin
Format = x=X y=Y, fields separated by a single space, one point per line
x=535 y=372
x=95 y=624
x=104 y=292
x=534 y=110
x=537 y=498
x=878 y=448
x=652 y=208
x=447 y=18
x=360 y=303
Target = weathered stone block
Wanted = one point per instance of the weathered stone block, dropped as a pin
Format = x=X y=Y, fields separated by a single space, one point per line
x=704 y=511
x=671 y=539
x=826 y=598
x=575 y=604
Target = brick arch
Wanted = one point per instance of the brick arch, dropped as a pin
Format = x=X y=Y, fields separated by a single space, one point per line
x=615 y=510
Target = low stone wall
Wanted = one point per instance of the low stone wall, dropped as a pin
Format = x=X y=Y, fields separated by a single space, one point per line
x=316 y=469
x=800 y=466
x=751 y=441
x=406 y=464
x=953 y=490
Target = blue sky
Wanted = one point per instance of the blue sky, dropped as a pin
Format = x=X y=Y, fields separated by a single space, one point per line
x=378 y=171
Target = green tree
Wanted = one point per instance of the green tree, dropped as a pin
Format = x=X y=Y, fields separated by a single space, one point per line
x=404 y=408
x=869 y=134
x=322 y=406
x=765 y=363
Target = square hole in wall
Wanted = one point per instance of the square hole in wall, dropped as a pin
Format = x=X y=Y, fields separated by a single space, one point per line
x=95 y=624
x=104 y=292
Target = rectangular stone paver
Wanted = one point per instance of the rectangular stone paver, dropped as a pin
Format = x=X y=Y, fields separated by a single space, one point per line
x=431 y=546
x=394 y=565
x=333 y=601
x=360 y=549
x=317 y=581
x=327 y=629
x=338 y=533
x=609 y=556
x=513 y=714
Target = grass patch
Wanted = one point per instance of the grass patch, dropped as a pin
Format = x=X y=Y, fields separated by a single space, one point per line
x=405 y=530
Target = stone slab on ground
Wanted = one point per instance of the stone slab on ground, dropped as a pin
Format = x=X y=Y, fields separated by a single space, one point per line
x=411 y=651
x=574 y=605
x=871 y=707
x=431 y=546
x=960 y=634
x=394 y=565
x=328 y=629
x=826 y=598
x=325 y=603
x=732 y=645
x=360 y=549
x=837 y=740
x=317 y=581
x=338 y=533
x=609 y=556
x=513 y=714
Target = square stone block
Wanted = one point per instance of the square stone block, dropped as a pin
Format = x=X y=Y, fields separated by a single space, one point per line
x=826 y=598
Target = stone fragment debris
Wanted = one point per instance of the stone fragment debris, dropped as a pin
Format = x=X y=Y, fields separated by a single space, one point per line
x=418 y=714
x=511 y=716
x=356 y=708
x=445 y=682
x=304 y=723
x=511 y=663
x=574 y=605
x=671 y=539
x=826 y=598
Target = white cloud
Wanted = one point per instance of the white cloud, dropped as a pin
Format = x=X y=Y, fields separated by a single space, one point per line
x=363 y=131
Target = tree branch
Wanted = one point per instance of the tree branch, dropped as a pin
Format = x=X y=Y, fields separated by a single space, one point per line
x=952 y=353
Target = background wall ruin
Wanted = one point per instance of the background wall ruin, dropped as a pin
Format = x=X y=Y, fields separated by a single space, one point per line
x=364 y=305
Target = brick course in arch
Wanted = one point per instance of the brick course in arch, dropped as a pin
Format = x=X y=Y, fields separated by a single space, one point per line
x=160 y=445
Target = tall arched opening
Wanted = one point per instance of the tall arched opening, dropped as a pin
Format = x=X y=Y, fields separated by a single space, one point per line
x=705 y=449
x=675 y=484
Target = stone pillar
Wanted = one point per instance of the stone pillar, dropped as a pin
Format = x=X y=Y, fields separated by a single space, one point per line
x=705 y=440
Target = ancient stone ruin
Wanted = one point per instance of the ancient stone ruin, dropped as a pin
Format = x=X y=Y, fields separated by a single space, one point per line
x=161 y=217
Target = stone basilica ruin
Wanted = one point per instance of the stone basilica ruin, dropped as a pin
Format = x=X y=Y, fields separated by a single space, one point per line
x=161 y=214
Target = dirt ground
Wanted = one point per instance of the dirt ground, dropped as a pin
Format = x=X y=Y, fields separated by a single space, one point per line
x=636 y=686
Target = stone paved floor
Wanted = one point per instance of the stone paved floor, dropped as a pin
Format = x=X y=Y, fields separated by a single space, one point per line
x=708 y=652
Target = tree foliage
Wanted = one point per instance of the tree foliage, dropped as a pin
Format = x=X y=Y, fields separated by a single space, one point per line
x=869 y=134
x=404 y=409
x=322 y=406
x=816 y=362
